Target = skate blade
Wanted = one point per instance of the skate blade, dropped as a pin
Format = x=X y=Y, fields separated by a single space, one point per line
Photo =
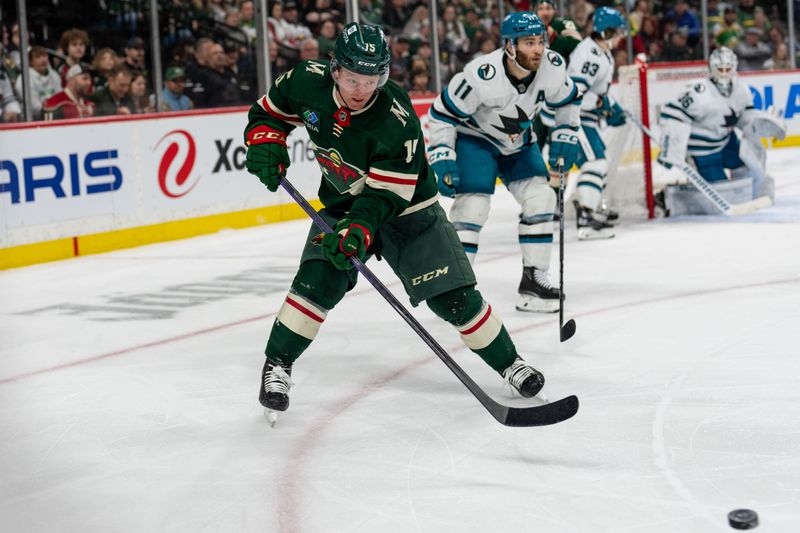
x=591 y=235
x=272 y=416
x=533 y=304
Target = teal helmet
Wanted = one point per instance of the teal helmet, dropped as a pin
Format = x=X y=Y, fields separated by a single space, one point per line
x=362 y=49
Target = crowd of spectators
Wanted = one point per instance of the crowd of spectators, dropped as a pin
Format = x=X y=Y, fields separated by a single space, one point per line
x=209 y=56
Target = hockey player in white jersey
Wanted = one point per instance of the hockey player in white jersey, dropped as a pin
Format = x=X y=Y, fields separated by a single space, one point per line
x=591 y=66
x=480 y=128
x=700 y=123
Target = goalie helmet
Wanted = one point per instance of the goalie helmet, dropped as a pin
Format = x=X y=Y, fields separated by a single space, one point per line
x=722 y=69
x=606 y=18
x=362 y=49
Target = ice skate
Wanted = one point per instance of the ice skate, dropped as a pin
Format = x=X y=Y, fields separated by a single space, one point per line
x=606 y=214
x=274 y=392
x=536 y=293
x=523 y=378
x=590 y=227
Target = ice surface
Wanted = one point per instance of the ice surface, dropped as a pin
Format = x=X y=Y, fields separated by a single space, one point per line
x=128 y=390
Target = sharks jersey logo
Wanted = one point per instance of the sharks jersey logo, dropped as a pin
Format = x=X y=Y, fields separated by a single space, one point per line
x=337 y=171
x=514 y=126
x=554 y=58
x=486 y=71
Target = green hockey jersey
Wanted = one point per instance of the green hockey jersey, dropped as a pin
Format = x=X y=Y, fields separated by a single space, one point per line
x=373 y=160
x=564 y=36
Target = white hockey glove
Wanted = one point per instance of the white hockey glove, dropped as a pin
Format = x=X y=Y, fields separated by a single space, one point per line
x=769 y=123
x=443 y=162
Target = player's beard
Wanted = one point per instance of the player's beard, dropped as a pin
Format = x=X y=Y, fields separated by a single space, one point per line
x=529 y=62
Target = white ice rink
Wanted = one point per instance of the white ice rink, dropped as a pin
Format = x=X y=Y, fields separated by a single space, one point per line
x=128 y=390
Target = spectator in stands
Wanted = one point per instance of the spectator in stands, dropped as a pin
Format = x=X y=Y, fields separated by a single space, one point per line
x=685 y=18
x=746 y=13
x=216 y=10
x=640 y=11
x=44 y=81
x=309 y=50
x=327 y=38
x=296 y=31
x=420 y=82
x=776 y=37
x=677 y=48
x=486 y=46
x=728 y=24
x=419 y=18
x=395 y=15
x=71 y=102
x=761 y=22
x=114 y=98
x=141 y=100
x=371 y=11
x=581 y=11
x=134 y=54
x=104 y=60
x=215 y=85
x=714 y=15
x=278 y=63
x=780 y=58
x=455 y=35
x=647 y=34
x=10 y=110
x=243 y=67
x=398 y=67
x=172 y=97
x=13 y=61
x=73 y=44
x=248 y=24
x=321 y=11
x=752 y=53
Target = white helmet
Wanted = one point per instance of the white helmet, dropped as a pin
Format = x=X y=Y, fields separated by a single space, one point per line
x=722 y=69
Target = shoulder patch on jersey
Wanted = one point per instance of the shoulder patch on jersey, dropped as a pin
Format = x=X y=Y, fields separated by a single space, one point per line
x=699 y=88
x=595 y=51
x=486 y=71
x=554 y=58
x=400 y=112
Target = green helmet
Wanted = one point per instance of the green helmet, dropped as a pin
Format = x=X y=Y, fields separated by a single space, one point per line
x=362 y=49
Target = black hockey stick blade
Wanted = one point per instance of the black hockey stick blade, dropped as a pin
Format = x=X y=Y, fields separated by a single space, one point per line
x=539 y=415
x=568 y=330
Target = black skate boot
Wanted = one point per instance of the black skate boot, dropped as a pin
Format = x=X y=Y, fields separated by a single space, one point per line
x=275 y=385
x=606 y=214
x=523 y=378
x=536 y=293
x=590 y=226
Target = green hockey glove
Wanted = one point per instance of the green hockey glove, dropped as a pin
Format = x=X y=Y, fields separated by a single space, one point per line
x=267 y=157
x=349 y=238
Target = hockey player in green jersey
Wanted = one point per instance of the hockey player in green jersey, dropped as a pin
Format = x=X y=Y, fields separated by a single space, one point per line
x=380 y=196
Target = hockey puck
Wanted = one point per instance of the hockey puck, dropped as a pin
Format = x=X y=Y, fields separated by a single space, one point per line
x=742 y=519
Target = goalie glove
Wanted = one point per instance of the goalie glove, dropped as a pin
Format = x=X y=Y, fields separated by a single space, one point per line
x=757 y=123
x=443 y=162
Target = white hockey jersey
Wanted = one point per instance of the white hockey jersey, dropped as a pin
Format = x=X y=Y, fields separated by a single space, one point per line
x=710 y=114
x=592 y=70
x=482 y=101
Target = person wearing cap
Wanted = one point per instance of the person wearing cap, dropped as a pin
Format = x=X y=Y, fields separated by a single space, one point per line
x=71 y=102
x=751 y=51
x=134 y=54
x=677 y=47
x=172 y=97
x=729 y=26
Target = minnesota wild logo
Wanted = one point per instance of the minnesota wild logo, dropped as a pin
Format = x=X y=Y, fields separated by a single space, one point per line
x=486 y=71
x=337 y=171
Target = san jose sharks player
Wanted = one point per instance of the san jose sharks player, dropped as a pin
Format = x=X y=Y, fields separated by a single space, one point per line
x=701 y=121
x=591 y=66
x=380 y=195
x=480 y=129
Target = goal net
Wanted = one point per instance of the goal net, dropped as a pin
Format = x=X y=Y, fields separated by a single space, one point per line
x=633 y=176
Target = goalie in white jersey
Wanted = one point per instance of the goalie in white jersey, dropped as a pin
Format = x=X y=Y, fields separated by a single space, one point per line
x=480 y=128
x=701 y=122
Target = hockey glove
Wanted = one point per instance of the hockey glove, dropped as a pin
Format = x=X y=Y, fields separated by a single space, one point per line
x=267 y=157
x=443 y=162
x=615 y=115
x=349 y=238
x=563 y=145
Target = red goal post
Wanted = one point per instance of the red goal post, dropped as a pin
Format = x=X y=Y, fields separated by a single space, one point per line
x=642 y=88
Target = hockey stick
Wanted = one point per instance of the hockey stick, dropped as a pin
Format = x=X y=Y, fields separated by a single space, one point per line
x=566 y=331
x=541 y=415
x=704 y=187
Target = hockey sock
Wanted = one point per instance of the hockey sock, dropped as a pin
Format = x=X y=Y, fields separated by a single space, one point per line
x=481 y=329
x=317 y=288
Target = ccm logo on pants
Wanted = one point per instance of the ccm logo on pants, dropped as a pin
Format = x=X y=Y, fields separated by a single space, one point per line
x=429 y=276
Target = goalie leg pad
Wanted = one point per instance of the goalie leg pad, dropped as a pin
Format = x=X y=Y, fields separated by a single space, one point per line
x=538 y=202
x=591 y=182
x=753 y=154
x=468 y=216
